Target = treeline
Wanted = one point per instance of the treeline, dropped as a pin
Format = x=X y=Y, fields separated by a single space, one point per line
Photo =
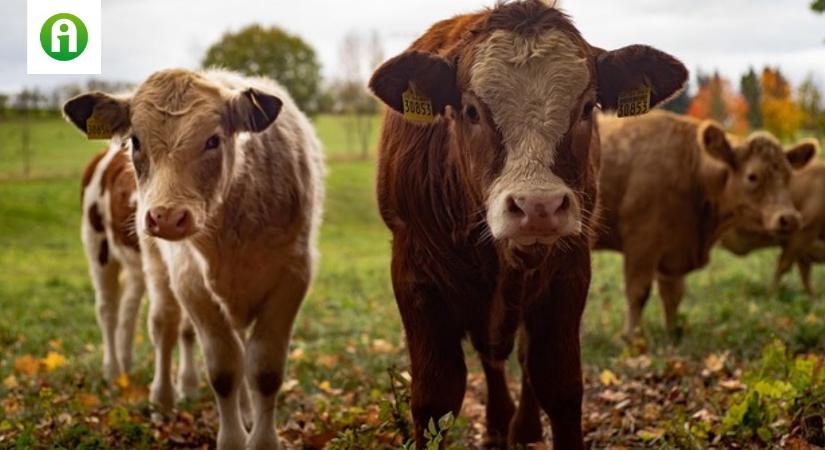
x=762 y=100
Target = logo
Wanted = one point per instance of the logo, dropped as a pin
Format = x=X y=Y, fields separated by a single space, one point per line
x=64 y=37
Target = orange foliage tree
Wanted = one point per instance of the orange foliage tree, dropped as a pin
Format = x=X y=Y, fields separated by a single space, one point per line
x=717 y=100
x=780 y=115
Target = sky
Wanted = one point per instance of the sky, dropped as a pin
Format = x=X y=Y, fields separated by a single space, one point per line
x=142 y=36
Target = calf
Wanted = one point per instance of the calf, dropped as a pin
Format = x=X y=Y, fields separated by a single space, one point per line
x=111 y=244
x=672 y=185
x=487 y=180
x=807 y=245
x=228 y=206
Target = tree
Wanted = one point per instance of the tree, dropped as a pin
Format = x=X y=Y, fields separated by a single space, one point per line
x=780 y=114
x=273 y=53
x=809 y=99
x=716 y=100
x=4 y=104
x=818 y=6
x=352 y=97
x=751 y=90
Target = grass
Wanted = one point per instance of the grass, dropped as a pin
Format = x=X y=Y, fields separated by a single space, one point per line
x=347 y=372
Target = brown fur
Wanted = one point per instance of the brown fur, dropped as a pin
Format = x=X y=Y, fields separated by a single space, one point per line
x=670 y=186
x=451 y=278
x=806 y=246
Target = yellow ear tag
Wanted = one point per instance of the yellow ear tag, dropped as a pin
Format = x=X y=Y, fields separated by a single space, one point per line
x=98 y=129
x=417 y=108
x=635 y=102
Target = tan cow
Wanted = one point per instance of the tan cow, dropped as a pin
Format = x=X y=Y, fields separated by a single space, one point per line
x=807 y=245
x=671 y=185
x=228 y=207
x=110 y=241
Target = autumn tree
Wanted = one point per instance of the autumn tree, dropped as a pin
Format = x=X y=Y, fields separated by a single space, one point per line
x=273 y=53
x=749 y=86
x=716 y=100
x=780 y=115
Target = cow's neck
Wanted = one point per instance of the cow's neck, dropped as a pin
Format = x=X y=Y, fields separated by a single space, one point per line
x=717 y=211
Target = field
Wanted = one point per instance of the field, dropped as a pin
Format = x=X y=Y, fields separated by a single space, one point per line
x=745 y=375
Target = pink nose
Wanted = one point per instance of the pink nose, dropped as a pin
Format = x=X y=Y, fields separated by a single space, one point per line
x=538 y=214
x=168 y=223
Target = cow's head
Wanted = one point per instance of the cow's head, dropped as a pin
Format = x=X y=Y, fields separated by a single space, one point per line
x=758 y=171
x=181 y=131
x=517 y=95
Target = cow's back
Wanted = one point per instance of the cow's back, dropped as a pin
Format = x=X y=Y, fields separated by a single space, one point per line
x=648 y=179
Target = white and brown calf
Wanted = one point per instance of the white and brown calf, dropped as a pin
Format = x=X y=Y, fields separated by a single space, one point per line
x=110 y=241
x=229 y=203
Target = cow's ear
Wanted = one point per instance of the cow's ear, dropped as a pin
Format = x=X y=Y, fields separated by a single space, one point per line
x=253 y=110
x=714 y=141
x=97 y=114
x=801 y=153
x=422 y=74
x=638 y=66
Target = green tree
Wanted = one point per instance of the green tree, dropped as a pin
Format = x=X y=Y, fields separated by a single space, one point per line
x=809 y=99
x=680 y=103
x=273 y=53
x=751 y=90
x=818 y=6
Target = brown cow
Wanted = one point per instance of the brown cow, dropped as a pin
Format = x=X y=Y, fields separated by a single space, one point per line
x=807 y=245
x=110 y=240
x=228 y=208
x=490 y=204
x=672 y=185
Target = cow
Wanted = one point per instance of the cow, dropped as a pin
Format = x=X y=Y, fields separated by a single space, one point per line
x=229 y=197
x=112 y=248
x=487 y=178
x=671 y=185
x=807 y=245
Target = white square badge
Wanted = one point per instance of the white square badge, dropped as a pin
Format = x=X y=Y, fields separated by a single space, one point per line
x=63 y=37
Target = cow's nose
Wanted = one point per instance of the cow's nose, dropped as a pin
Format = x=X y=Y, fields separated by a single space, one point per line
x=788 y=223
x=539 y=214
x=169 y=223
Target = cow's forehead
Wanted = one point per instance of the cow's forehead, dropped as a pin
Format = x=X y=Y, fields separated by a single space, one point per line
x=530 y=83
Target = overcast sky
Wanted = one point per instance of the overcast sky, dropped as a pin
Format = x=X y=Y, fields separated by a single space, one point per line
x=141 y=36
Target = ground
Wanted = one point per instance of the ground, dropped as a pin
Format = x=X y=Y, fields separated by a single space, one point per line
x=745 y=375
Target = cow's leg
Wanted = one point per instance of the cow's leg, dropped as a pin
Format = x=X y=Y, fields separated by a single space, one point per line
x=107 y=299
x=672 y=290
x=805 y=275
x=164 y=319
x=553 y=350
x=500 y=407
x=266 y=353
x=783 y=265
x=223 y=352
x=439 y=375
x=525 y=427
x=130 y=299
x=187 y=375
x=638 y=278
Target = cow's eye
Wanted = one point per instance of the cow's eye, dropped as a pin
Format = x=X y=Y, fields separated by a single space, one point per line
x=135 y=144
x=753 y=178
x=587 y=111
x=212 y=143
x=471 y=112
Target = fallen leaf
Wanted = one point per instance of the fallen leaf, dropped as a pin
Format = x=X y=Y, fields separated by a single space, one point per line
x=54 y=360
x=10 y=382
x=297 y=354
x=27 y=365
x=650 y=434
x=88 y=400
x=56 y=344
x=328 y=361
x=382 y=346
x=714 y=362
x=608 y=378
x=122 y=381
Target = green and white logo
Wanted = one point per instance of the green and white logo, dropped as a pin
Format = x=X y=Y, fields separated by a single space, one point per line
x=64 y=37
